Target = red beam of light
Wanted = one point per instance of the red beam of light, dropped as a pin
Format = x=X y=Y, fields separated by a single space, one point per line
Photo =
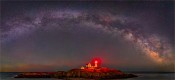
x=96 y=61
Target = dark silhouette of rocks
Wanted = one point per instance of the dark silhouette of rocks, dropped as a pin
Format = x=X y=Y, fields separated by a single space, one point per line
x=89 y=72
x=98 y=73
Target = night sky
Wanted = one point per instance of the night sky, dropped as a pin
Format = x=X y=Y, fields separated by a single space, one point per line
x=52 y=36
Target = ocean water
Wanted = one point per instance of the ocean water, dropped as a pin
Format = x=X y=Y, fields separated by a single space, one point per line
x=142 y=76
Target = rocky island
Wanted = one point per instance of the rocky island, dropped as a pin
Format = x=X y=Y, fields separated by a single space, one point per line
x=88 y=72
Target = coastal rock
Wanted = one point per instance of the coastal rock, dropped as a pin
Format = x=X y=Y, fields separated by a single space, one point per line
x=101 y=73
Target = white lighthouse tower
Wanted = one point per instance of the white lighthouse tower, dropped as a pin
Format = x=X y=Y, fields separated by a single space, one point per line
x=96 y=62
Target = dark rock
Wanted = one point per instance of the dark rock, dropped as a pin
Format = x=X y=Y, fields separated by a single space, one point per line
x=101 y=73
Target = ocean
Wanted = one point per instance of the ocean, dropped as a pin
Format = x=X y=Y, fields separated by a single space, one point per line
x=142 y=76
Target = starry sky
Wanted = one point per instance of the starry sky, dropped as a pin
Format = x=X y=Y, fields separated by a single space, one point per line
x=52 y=36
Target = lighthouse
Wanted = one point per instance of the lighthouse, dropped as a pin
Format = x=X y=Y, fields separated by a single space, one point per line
x=96 y=62
x=89 y=66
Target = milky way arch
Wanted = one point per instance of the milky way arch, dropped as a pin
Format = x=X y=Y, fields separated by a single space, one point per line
x=153 y=45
